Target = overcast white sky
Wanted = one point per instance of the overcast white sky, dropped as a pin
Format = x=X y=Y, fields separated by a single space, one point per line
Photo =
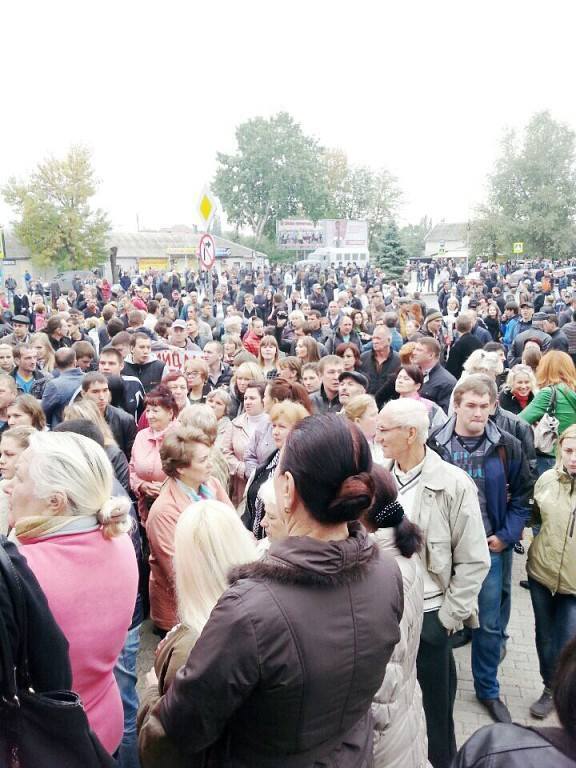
x=424 y=89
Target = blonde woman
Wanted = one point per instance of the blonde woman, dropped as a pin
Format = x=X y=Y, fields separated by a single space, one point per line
x=284 y=415
x=551 y=565
x=219 y=400
x=219 y=541
x=26 y=411
x=74 y=536
x=86 y=409
x=44 y=353
x=363 y=411
x=243 y=375
x=238 y=436
x=519 y=390
x=13 y=443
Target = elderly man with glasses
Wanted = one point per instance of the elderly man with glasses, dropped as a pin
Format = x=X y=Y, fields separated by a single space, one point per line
x=442 y=500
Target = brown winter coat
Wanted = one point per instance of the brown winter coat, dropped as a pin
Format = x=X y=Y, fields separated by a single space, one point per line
x=284 y=672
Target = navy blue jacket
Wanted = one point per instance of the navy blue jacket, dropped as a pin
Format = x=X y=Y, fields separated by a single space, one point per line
x=508 y=484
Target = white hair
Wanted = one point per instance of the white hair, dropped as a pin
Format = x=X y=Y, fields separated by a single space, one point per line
x=407 y=412
x=209 y=540
x=481 y=361
x=77 y=467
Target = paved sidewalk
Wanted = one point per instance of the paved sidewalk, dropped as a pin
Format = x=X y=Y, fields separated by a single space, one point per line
x=519 y=677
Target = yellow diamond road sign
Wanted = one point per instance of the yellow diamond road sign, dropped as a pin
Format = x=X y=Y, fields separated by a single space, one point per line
x=206 y=207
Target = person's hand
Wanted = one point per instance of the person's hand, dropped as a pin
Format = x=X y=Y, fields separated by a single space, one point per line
x=151 y=489
x=151 y=678
x=494 y=544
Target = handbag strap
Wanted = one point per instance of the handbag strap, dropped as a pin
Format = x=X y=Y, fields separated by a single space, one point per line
x=552 y=404
x=18 y=665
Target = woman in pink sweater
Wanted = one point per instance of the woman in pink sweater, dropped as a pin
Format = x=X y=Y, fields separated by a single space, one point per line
x=74 y=537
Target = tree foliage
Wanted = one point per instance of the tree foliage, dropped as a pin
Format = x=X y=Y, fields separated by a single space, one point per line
x=389 y=252
x=532 y=194
x=275 y=173
x=278 y=172
x=412 y=237
x=56 y=221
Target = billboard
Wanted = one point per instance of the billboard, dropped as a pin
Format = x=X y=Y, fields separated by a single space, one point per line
x=299 y=235
x=305 y=235
x=345 y=233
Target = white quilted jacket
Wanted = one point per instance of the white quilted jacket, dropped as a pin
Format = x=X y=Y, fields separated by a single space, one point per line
x=399 y=724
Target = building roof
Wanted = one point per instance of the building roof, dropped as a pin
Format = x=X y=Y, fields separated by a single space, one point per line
x=448 y=232
x=148 y=245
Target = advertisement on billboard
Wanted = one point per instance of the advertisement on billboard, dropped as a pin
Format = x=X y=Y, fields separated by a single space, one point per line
x=304 y=235
x=299 y=235
x=345 y=233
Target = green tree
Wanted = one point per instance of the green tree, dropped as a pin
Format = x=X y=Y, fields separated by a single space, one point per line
x=412 y=237
x=532 y=194
x=56 y=221
x=275 y=173
x=388 y=251
x=359 y=192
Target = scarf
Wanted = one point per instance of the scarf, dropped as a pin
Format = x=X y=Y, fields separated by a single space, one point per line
x=44 y=527
x=203 y=491
x=522 y=399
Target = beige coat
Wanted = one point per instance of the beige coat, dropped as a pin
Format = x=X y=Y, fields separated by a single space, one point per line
x=552 y=554
x=156 y=750
x=456 y=554
x=399 y=724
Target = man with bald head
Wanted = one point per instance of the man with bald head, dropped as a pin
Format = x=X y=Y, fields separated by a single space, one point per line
x=381 y=362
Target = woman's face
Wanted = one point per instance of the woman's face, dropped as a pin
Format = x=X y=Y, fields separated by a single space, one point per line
x=568 y=454
x=492 y=311
x=158 y=417
x=522 y=385
x=200 y=468
x=10 y=452
x=194 y=379
x=179 y=389
x=253 y=403
x=217 y=406
x=405 y=385
x=241 y=383
x=39 y=347
x=280 y=429
x=349 y=360
x=311 y=381
x=301 y=350
x=288 y=374
x=21 y=501
x=268 y=353
x=275 y=523
x=358 y=318
x=368 y=421
x=18 y=418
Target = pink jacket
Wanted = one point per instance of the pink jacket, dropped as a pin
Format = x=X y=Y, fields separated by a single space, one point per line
x=146 y=466
x=160 y=528
x=90 y=583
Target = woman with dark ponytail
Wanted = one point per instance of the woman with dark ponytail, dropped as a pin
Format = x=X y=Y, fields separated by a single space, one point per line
x=313 y=624
x=399 y=724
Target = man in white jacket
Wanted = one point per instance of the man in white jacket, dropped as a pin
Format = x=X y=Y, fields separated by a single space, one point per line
x=443 y=501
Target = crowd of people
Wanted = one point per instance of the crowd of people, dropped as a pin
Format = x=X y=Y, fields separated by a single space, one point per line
x=306 y=443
